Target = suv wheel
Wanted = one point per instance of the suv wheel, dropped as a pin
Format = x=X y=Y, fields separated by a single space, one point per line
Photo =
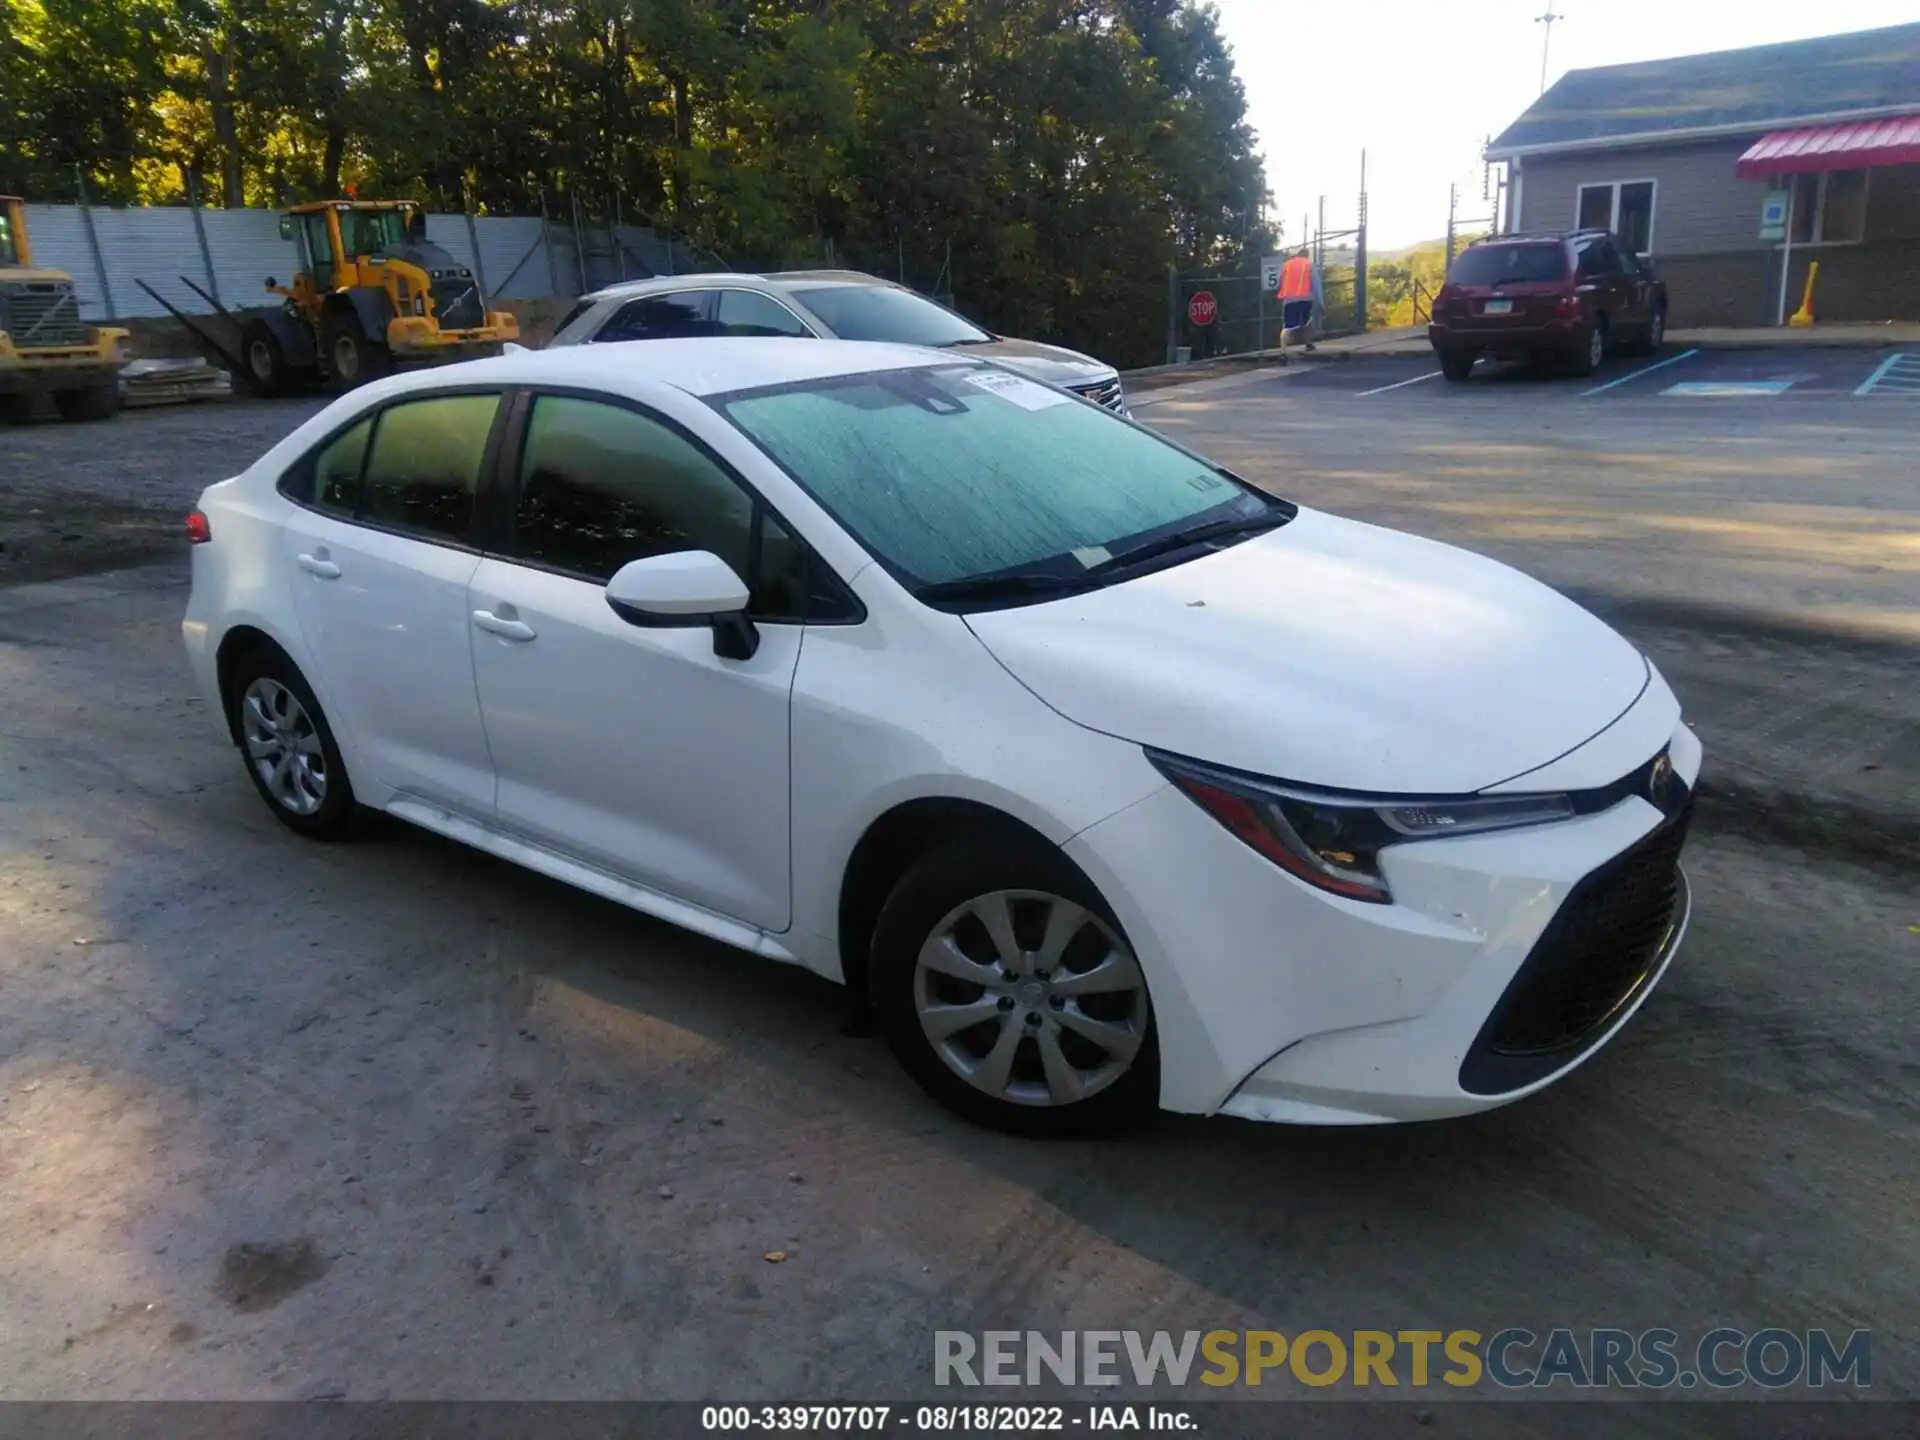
x=1590 y=349
x=1007 y=991
x=1456 y=364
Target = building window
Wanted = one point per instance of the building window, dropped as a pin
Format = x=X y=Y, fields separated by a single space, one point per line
x=1623 y=206
x=1830 y=209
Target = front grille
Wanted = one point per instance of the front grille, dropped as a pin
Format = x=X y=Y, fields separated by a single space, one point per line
x=42 y=315
x=1107 y=395
x=456 y=303
x=1592 y=959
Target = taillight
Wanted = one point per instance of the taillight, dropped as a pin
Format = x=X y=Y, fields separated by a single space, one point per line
x=198 y=531
x=1569 y=306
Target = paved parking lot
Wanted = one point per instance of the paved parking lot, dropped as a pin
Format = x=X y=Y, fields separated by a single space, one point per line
x=394 y=1119
x=1882 y=377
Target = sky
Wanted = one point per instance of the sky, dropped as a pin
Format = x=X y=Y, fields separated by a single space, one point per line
x=1436 y=78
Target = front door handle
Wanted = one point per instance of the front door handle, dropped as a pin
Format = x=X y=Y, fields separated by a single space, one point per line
x=315 y=565
x=505 y=629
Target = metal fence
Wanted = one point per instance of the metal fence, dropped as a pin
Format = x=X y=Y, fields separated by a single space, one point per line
x=231 y=253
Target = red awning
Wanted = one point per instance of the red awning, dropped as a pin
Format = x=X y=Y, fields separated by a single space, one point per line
x=1852 y=146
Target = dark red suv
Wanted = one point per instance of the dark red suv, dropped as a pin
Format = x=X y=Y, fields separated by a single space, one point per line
x=1571 y=298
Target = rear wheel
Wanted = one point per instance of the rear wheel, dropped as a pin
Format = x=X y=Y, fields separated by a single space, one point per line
x=352 y=358
x=1006 y=989
x=15 y=409
x=1456 y=364
x=1590 y=348
x=268 y=370
x=96 y=402
x=288 y=747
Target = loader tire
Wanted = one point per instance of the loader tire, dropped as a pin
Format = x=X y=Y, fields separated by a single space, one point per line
x=352 y=358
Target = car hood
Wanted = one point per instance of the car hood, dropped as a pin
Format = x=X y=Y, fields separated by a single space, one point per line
x=1330 y=653
x=1043 y=362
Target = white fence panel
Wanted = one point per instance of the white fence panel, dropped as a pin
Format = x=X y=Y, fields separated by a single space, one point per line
x=159 y=245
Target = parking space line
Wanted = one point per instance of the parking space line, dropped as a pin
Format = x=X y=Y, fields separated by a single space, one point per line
x=1886 y=368
x=1643 y=370
x=1398 y=383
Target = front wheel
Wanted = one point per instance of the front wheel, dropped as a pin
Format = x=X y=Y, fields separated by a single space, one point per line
x=1007 y=991
x=352 y=358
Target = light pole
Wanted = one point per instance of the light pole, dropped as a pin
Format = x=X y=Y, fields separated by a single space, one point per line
x=1546 y=42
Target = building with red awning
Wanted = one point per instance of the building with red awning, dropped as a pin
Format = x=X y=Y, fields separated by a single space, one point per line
x=1733 y=172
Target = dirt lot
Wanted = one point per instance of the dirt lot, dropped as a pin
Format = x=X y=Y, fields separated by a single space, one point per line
x=394 y=1120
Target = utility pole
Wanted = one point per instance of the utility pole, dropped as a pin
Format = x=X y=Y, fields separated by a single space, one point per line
x=1546 y=43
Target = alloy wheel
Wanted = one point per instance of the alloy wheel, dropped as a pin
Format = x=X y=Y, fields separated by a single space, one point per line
x=1030 y=998
x=283 y=746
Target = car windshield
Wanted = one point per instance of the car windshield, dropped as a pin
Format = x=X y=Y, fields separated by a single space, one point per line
x=964 y=473
x=879 y=312
x=1509 y=264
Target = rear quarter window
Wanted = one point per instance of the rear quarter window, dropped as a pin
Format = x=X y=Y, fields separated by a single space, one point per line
x=1509 y=265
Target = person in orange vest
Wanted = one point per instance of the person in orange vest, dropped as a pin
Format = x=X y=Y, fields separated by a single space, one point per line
x=1299 y=289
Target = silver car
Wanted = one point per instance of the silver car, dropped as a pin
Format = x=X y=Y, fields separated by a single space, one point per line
x=830 y=304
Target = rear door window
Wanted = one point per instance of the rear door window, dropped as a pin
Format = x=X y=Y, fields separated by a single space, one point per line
x=328 y=479
x=683 y=315
x=1509 y=265
x=748 y=312
x=424 y=468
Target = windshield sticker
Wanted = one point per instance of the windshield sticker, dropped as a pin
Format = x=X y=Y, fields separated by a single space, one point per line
x=1092 y=555
x=1018 y=390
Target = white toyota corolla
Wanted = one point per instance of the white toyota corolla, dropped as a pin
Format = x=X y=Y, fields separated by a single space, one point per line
x=1111 y=779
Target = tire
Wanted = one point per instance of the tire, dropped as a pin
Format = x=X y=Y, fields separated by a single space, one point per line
x=1655 y=335
x=352 y=359
x=16 y=409
x=96 y=402
x=288 y=748
x=268 y=370
x=1456 y=364
x=1023 y=1029
x=1589 y=350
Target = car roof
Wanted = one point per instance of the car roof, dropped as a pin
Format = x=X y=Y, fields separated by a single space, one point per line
x=701 y=367
x=1539 y=237
x=629 y=288
x=658 y=284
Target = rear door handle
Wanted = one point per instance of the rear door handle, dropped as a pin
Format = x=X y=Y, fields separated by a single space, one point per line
x=505 y=629
x=314 y=565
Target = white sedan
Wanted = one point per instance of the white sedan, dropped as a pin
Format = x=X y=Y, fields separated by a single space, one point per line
x=1112 y=780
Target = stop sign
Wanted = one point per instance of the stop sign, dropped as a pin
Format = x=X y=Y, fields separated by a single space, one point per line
x=1202 y=308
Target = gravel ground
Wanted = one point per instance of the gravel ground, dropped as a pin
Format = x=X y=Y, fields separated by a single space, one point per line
x=392 y=1119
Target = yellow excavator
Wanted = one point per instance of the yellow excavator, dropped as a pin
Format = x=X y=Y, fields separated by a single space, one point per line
x=371 y=293
x=45 y=347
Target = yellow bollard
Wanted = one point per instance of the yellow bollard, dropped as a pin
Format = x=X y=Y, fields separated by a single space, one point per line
x=1804 y=315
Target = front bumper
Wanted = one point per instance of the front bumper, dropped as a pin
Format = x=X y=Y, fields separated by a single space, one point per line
x=419 y=336
x=1276 y=1001
x=65 y=367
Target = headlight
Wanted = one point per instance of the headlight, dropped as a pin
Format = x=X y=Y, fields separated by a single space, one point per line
x=1333 y=842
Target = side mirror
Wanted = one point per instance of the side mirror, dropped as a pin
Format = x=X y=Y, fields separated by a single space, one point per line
x=271 y=282
x=286 y=227
x=687 y=588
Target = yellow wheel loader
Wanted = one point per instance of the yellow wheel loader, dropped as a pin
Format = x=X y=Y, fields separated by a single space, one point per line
x=45 y=347
x=371 y=293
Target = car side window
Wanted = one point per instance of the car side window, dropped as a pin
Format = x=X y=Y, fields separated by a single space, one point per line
x=1599 y=258
x=747 y=312
x=423 y=470
x=679 y=316
x=328 y=479
x=601 y=485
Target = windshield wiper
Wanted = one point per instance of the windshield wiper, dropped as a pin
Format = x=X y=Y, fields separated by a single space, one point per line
x=1000 y=587
x=982 y=340
x=1198 y=535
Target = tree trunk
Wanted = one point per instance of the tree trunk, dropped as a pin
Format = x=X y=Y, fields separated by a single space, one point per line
x=226 y=129
x=332 y=92
x=682 y=142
